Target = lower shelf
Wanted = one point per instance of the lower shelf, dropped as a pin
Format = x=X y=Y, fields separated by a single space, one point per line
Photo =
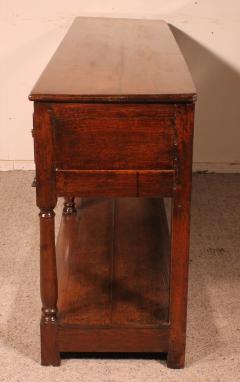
x=113 y=275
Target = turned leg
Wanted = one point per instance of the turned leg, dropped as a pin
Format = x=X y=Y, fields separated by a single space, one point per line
x=49 y=289
x=69 y=205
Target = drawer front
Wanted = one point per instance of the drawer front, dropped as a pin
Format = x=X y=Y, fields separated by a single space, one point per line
x=113 y=136
x=115 y=183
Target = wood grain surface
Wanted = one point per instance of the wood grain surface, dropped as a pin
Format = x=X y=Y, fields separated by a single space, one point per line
x=105 y=59
x=113 y=183
x=113 y=136
x=113 y=264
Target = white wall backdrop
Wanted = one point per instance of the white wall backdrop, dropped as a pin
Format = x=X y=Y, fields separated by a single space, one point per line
x=207 y=31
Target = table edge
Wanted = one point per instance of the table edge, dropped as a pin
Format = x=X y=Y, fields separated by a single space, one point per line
x=114 y=98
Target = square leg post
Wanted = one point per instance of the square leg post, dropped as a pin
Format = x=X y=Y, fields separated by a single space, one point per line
x=180 y=236
x=178 y=281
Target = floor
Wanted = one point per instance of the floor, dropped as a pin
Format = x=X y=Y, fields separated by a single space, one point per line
x=213 y=336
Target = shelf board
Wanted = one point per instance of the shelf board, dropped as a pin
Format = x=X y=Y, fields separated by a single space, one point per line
x=113 y=267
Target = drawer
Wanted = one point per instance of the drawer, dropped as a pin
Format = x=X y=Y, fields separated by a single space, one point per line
x=115 y=183
x=115 y=136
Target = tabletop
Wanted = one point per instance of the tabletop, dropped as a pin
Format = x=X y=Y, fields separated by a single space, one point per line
x=116 y=60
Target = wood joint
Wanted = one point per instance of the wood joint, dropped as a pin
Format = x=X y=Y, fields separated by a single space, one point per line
x=69 y=206
x=46 y=213
x=49 y=315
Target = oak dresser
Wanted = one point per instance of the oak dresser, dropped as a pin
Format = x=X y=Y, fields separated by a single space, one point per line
x=113 y=131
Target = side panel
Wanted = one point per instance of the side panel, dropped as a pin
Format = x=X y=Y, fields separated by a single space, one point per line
x=113 y=136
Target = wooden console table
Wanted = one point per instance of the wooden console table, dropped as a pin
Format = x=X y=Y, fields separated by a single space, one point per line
x=113 y=130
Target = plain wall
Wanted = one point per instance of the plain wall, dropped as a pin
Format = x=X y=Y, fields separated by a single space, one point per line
x=207 y=31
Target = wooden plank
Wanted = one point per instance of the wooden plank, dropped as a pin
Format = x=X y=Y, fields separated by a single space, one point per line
x=72 y=339
x=108 y=138
x=111 y=183
x=99 y=250
x=116 y=60
x=156 y=183
x=140 y=273
x=95 y=183
x=98 y=111
x=84 y=249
